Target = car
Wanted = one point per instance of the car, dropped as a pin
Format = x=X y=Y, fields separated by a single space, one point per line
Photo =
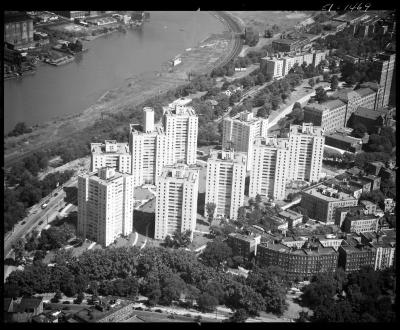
x=23 y=222
x=55 y=194
x=40 y=222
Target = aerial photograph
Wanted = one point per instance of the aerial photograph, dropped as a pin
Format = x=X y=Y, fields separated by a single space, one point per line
x=200 y=166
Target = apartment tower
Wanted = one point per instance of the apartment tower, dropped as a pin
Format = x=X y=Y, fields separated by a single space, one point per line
x=181 y=127
x=306 y=148
x=150 y=149
x=241 y=130
x=225 y=182
x=383 y=68
x=270 y=168
x=176 y=202
x=105 y=205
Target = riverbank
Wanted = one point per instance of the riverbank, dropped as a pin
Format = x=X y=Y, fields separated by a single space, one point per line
x=131 y=92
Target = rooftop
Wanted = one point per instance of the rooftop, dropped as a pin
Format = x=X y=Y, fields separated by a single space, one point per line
x=369 y=113
x=227 y=156
x=327 y=193
x=286 y=41
x=290 y=214
x=344 y=138
x=364 y=91
x=105 y=179
x=319 y=250
x=138 y=129
x=247 y=238
x=109 y=147
x=16 y=16
x=179 y=110
x=180 y=173
x=346 y=94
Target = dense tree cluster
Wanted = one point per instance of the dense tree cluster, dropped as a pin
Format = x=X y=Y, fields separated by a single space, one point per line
x=163 y=275
x=364 y=296
x=19 y=129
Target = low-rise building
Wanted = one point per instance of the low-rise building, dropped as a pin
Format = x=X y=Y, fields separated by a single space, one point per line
x=344 y=142
x=384 y=241
x=370 y=118
x=330 y=240
x=22 y=309
x=293 y=218
x=390 y=204
x=360 y=223
x=286 y=45
x=370 y=208
x=375 y=181
x=244 y=245
x=298 y=264
x=341 y=213
x=329 y=115
x=353 y=254
x=321 y=200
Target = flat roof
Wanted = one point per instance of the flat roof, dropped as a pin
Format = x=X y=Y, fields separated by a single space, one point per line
x=290 y=214
x=247 y=238
x=344 y=138
x=100 y=148
x=180 y=173
x=181 y=111
x=364 y=91
x=369 y=113
x=341 y=195
x=95 y=176
x=346 y=94
x=138 y=129
x=286 y=41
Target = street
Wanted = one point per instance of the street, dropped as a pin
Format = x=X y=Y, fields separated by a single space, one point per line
x=37 y=214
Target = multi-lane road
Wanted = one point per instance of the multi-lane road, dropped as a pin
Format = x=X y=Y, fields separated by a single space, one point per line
x=37 y=214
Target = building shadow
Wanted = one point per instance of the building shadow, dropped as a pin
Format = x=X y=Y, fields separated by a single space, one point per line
x=71 y=218
x=200 y=203
x=143 y=219
x=71 y=195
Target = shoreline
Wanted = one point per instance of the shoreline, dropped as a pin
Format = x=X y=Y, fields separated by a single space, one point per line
x=126 y=95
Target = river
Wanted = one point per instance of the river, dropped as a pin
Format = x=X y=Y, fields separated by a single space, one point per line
x=58 y=91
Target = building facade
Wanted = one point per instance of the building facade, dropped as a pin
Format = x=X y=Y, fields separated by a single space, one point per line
x=151 y=149
x=306 y=148
x=241 y=130
x=360 y=224
x=353 y=255
x=181 y=127
x=225 y=182
x=298 y=264
x=105 y=205
x=329 y=115
x=321 y=201
x=383 y=68
x=242 y=245
x=111 y=154
x=176 y=201
x=18 y=28
x=270 y=166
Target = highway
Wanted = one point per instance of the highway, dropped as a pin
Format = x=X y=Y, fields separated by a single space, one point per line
x=37 y=214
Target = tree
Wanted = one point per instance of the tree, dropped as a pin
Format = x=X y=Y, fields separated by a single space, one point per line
x=79 y=298
x=320 y=95
x=334 y=82
x=311 y=82
x=210 y=207
x=275 y=101
x=171 y=289
x=19 y=248
x=359 y=130
x=215 y=253
x=263 y=112
x=207 y=302
x=239 y=316
x=56 y=297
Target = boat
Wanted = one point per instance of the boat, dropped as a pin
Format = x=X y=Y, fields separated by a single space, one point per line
x=60 y=60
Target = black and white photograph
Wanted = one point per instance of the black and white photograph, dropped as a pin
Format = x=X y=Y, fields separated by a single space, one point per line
x=200 y=166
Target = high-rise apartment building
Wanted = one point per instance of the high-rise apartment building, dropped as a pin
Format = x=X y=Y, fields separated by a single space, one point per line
x=110 y=154
x=225 y=182
x=176 y=202
x=383 y=68
x=181 y=127
x=272 y=66
x=270 y=167
x=306 y=148
x=105 y=205
x=241 y=130
x=151 y=149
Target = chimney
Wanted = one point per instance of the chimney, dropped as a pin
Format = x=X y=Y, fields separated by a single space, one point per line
x=148 y=119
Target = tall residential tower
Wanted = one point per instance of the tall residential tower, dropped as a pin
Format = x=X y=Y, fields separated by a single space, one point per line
x=176 y=201
x=226 y=174
x=105 y=205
